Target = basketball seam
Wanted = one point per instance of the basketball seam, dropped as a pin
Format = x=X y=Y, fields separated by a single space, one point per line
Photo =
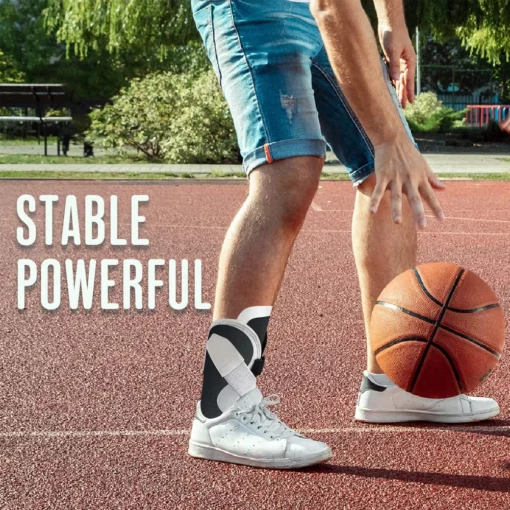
x=424 y=288
x=472 y=340
x=399 y=341
x=442 y=350
x=474 y=310
x=436 y=327
x=397 y=308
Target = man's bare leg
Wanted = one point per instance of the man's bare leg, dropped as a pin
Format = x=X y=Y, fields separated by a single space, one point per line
x=232 y=416
x=382 y=250
x=259 y=241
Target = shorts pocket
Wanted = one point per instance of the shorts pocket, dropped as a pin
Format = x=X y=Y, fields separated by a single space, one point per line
x=204 y=20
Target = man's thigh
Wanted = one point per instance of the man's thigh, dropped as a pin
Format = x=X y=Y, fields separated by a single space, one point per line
x=262 y=53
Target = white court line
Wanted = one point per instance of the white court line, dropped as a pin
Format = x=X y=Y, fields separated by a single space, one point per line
x=49 y=434
x=163 y=225
x=440 y=232
x=338 y=231
x=471 y=219
x=426 y=232
x=428 y=215
x=391 y=429
x=381 y=429
x=328 y=231
x=331 y=231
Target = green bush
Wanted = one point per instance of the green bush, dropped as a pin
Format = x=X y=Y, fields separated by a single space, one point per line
x=191 y=58
x=181 y=118
x=428 y=115
x=9 y=73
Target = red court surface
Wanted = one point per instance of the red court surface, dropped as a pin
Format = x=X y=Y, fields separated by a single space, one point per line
x=95 y=406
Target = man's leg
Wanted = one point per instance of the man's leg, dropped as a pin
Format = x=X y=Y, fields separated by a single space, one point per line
x=382 y=250
x=259 y=241
x=232 y=423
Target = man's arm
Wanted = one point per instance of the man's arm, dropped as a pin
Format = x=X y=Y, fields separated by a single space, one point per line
x=353 y=53
x=389 y=12
x=397 y=47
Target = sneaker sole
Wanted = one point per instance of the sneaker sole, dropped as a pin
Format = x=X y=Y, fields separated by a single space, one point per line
x=201 y=451
x=369 y=416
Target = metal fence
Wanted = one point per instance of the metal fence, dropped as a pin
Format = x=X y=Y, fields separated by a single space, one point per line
x=481 y=115
x=460 y=102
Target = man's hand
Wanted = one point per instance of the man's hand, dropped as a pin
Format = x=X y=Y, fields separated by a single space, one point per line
x=353 y=53
x=399 y=52
x=401 y=169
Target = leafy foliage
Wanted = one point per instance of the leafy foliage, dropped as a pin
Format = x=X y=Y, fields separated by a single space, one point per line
x=29 y=48
x=428 y=114
x=491 y=42
x=23 y=36
x=98 y=75
x=148 y=26
x=181 y=118
x=482 y=25
x=151 y=27
x=9 y=73
x=485 y=30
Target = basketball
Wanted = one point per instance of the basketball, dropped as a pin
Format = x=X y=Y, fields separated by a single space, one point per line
x=437 y=330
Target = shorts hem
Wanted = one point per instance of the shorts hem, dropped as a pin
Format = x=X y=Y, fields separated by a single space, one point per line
x=362 y=173
x=283 y=149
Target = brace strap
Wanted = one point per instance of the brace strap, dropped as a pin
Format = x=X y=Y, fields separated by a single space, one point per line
x=258 y=366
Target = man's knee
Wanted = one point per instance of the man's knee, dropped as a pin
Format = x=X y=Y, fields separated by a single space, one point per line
x=286 y=188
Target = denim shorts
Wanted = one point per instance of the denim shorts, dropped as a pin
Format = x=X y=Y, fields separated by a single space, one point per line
x=285 y=101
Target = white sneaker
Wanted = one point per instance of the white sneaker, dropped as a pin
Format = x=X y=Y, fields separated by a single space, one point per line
x=250 y=434
x=391 y=404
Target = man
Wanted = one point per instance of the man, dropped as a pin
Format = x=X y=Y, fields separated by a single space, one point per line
x=296 y=75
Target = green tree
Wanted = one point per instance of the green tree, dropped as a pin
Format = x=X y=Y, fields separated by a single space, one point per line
x=481 y=25
x=150 y=27
x=153 y=26
x=31 y=48
x=9 y=73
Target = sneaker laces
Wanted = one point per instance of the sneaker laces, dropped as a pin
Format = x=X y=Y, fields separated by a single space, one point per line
x=264 y=420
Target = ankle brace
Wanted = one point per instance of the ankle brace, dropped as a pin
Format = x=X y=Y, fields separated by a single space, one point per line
x=233 y=359
x=257 y=318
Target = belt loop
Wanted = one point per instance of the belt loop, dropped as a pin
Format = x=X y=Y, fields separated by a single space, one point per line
x=267 y=152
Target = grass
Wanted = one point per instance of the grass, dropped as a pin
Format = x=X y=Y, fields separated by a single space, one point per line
x=16 y=174
x=15 y=159
x=218 y=174
x=506 y=160
x=56 y=174
x=478 y=177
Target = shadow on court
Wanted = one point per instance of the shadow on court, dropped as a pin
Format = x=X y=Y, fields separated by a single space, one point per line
x=484 y=428
x=483 y=483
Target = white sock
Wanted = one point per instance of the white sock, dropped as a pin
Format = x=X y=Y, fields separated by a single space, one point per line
x=380 y=379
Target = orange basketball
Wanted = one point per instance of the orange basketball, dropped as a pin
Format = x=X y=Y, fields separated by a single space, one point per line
x=437 y=330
